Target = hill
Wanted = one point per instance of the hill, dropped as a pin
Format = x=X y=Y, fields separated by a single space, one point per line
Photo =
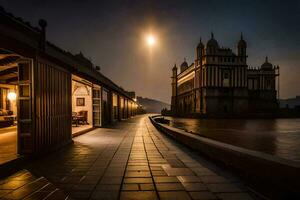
x=152 y=105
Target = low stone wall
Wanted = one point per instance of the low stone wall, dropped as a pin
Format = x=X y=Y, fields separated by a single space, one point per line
x=276 y=177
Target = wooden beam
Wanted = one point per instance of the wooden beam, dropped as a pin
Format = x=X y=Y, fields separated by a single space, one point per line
x=10 y=80
x=9 y=60
x=9 y=71
x=3 y=56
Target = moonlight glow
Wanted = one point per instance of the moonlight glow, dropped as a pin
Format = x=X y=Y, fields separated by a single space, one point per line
x=150 y=40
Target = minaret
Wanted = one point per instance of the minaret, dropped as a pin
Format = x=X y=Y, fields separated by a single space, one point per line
x=198 y=76
x=242 y=49
x=174 y=90
x=199 y=51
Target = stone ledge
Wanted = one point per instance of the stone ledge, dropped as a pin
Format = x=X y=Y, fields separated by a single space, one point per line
x=276 y=176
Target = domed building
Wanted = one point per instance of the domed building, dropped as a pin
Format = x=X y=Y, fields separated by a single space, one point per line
x=219 y=83
x=184 y=65
x=212 y=45
x=266 y=65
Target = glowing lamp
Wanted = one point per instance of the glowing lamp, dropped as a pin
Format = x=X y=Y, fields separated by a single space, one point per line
x=11 y=96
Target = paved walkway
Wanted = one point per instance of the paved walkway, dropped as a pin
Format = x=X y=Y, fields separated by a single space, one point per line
x=129 y=161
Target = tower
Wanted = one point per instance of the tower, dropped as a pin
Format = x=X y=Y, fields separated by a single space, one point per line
x=174 y=89
x=267 y=87
x=198 y=76
x=242 y=49
x=212 y=45
x=268 y=76
x=199 y=52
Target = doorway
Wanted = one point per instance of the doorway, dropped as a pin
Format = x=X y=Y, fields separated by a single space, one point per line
x=82 y=105
x=8 y=105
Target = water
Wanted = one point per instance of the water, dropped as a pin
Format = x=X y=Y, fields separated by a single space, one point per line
x=280 y=137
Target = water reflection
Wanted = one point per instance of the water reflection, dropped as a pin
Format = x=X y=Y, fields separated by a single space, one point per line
x=279 y=137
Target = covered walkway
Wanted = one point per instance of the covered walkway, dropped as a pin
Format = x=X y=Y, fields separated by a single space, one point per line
x=131 y=160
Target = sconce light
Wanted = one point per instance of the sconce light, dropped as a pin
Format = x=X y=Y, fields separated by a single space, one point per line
x=11 y=96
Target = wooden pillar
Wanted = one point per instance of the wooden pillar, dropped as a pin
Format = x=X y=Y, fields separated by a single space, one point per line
x=119 y=108
x=125 y=112
x=25 y=108
x=96 y=101
x=110 y=106
x=123 y=109
x=127 y=109
x=106 y=106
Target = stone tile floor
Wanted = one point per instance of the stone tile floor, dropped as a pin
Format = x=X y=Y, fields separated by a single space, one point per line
x=131 y=160
x=24 y=185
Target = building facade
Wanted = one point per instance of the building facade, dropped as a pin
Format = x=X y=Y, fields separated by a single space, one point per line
x=48 y=93
x=219 y=82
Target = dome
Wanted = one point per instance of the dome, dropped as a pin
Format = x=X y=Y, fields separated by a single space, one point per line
x=184 y=65
x=266 y=65
x=212 y=42
x=242 y=42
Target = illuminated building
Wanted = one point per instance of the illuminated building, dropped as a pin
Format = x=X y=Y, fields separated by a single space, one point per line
x=219 y=82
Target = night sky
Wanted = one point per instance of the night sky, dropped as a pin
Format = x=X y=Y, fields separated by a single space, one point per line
x=111 y=34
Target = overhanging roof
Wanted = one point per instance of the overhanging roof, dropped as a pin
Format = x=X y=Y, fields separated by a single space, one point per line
x=27 y=35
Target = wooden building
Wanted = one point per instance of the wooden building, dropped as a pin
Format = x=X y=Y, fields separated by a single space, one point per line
x=43 y=76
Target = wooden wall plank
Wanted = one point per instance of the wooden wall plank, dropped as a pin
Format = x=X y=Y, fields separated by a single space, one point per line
x=53 y=106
